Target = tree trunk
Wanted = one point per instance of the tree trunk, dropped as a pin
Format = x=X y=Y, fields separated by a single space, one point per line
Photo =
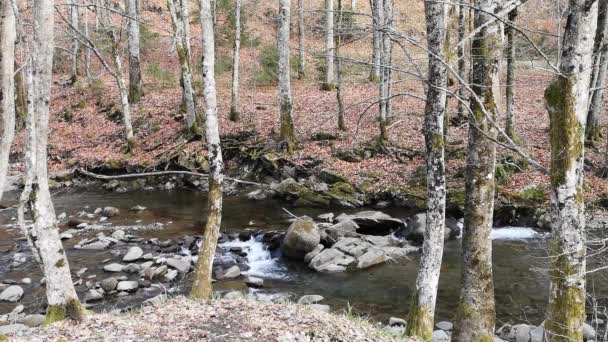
x=287 y=133
x=135 y=81
x=476 y=314
x=74 y=16
x=329 y=82
x=600 y=72
x=20 y=100
x=201 y=288
x=124 y=99
x=302 y=60
x=87 y=60
x=339 y=95
x=510 y=129
x=567 y=100
x=44 y=234
x=385 y=18
x=8 y=35
x=462 y=62
x=353 y=5
x=422 y=311
x=234 y=105
x=179 y=19
x=374 y=75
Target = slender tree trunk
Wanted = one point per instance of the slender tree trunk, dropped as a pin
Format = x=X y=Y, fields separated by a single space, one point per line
x=20 y=100
x=8 y=36
x=329 y=82
x=201 y=288
x=124 y=100
x=135 y=81
x=74 y=16
x=353 y=5
x=385 y=18
x=46 y=244
x=339 y=95
x=600 y=73
x=462 y=61
x=476 y=314
x=301 y=34
x=510 y=129
x=567 y=100
x=287 y=133
x=420 y=320
x=234 y=105
x=88 y=54
x=374 y=75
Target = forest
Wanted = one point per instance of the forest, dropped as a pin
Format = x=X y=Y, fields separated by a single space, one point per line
x=307 y=170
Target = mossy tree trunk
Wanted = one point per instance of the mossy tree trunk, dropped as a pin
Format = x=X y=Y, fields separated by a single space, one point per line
x=510 y=33
x=600 y=73
x=136 y=90
x=43 y=234
x=8 y=36
x=287 y=131
x=201 y=288
x=420 y=319
x=475 y=318
x=329 y=83
x=301 y=40
x=567 y=99
x=234 y=104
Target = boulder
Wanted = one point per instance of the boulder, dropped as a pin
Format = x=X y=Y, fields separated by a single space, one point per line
x=416 y=226
x=522 y=332
x=32 y=321
x=588 y=332
x=229 y=273
x=134 y=253
x=310 y=299
x=440 y=336
x=254 y=282
x=110 y=211
x=537 y=334
x=171 y=275
x=345 y=228
x=444 y=325
x=310 y=255
x=374 y=222
x=331 y=260
x=93 y=295
x=393 y=321
x=11 y=294
x=127 y=285
x=182 y=265
x=113 y=267
x=109 y=284
x=371 y=257
x=301 y=238
x=132 y=268
x=352 y=246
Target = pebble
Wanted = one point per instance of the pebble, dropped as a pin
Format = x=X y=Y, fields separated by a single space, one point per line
x=113 y=267
x=134 y=253
x=310 y=299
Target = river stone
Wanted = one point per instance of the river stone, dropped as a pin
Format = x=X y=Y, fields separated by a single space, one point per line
x=134 y=253
x=93 y=295
x=320 y=307
x=179 y=264
x=588 y=332
x=254 y=282
x=32 y=321
x=160 y=271
x=310 y=299
x=12 y=328
x=119 y=234
x=171 y=275
x=95 y=246
x=113 y=267
x=522 y=332
x=440 y=336
x=110 y=211
x=373 y=222
x=109 y=284
x=444 y=325
x=310 y=255
x=506 y=332
x=132 y=268
x=393 y=321
x=537 y=334
x=331 y=260
x=11 y=294
x=345 y=228
x=301 y=238
x=373 y=256
x=26 y=281
x=127 y=285
x=352 y=246
x=229 y=273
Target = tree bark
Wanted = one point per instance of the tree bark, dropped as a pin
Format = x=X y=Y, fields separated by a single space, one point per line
x=462 y=62
x=287 y=132
x=201 y=288
x=422 y=310
x=74 y=19
x=510 y=32
x=44 y=234
x=374 y=75
x=234 y=104
x=135 y=80
x=600 y=73
x=339 y=89
x=329 y=82
x=385 y=18
x=301 y=38
x=567 y=100
x=124 y=98
x=476 y=314
x=8 y=36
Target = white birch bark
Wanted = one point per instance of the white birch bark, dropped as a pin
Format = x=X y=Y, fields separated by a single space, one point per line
x=201 y=288
x=510 y=31
x=385 y=18
x=287 y=132
x=462 y=61
x=375 y=6
x=234 y=101
x=600 y=73
x=301 y=39
x=329 y=82
x=353 y=5
x=74 y=20
x=135 y=80
x=8 y=36
x=422 y=309
x=87 y=58
x=567 y=101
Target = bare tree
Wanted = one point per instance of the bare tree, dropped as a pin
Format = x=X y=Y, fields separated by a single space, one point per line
x=329 y=82
x=476 y=314
x=510 y=33
x=385 y=18
x=422 y=310
x=600 y=73
x=234 y=104
x=43 y=235
x=287 y=131
x=340 y=80
x=375 y=6
x=135 y=80
x=567 y=100
x=181 y=22
x=8 y=36
x=301 y=34
x=74 y=19
x=462 y=61
x=201 y=288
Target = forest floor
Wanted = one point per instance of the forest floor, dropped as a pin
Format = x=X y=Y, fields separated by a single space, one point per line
x=181 y=319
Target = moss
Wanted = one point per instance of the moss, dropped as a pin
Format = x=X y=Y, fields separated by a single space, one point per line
x=420 y=321
x=3 y=338
x=60 y=263
x=328 y=86
x=456 y=197
x=437 y=141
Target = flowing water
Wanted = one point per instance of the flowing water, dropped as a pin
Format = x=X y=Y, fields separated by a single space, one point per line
x=519 y=257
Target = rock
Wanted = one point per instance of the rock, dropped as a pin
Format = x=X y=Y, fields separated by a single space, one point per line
x=234 y=295
x=522 y=332
x=32 y=321
x=109 y=284
x=588 y=332
x=160 y=272
x=444 y=325
x=93 y=295
x=171 y=275
x=374 y=222
x=229 y=273
x=11 y=294
x=329 y=217
x=257 y=195
x=506 y=332
x=179 y=264
x=156 y=301
x=26 y=281
x=95 y=246
x=310 y=255
x=132 y=268
x=393 y=321
x=373 y=256
x=301 y=238
x=127 y=285
x=110 y=211
x=440 y=336
x=416 y=226
x=381 y=241
x=345 y=228
x=537 y=334
x=254 y=282
x=11 y=328
x=352 y=246
x=138 y=208
x=119 y=234
x=310 y=299
x=396 y=330
x=65 y=236
x=331 y=260
x=134 y=253
x=113 y=267
x=320 y=307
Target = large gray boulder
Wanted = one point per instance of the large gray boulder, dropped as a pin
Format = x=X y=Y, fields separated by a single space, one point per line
x=134 y=253
x=11 y=294
x=374 y=222
x=331 y=261
x=345 y=228
x=301 y=237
